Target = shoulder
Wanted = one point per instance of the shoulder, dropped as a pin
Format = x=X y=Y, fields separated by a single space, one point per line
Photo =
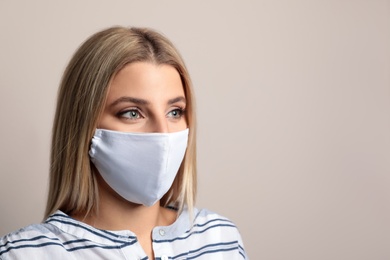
x=218 y=230
x=201 y=234
x=207 y=221
x=208 y=214
x=32 y=236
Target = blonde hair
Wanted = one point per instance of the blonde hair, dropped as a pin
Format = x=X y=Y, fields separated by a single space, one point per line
x=82 y=94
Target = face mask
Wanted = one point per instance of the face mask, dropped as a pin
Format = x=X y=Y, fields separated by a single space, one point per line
x=140 y=167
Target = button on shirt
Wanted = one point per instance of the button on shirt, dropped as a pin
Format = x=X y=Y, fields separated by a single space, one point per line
x=208 y=236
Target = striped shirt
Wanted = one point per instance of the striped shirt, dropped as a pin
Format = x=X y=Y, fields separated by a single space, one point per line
x=209 y=236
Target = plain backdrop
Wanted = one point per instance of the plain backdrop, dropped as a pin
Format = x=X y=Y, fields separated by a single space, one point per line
x=293 y=101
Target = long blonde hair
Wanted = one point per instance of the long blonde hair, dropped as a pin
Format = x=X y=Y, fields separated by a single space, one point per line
x=83 y=90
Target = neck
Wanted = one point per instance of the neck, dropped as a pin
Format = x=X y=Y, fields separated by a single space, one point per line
x=116 y=213
x=124 y=215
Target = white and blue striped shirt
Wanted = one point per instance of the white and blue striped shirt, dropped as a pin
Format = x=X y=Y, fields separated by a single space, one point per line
x=209 y=236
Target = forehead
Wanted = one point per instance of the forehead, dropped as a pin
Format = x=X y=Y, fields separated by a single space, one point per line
x=147 y=81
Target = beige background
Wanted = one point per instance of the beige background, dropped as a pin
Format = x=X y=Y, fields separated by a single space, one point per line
x=293 y=107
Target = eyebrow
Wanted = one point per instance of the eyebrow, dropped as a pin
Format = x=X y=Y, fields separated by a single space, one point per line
x=129 y=100
x=140 y=101
x=177 y=99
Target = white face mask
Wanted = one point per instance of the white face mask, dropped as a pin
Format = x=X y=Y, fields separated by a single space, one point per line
x=140 y=167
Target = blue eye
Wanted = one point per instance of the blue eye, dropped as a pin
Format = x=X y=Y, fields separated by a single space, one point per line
x=176 y=113
x=130 y=114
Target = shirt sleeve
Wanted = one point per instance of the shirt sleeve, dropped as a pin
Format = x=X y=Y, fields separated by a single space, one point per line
x=241 y=249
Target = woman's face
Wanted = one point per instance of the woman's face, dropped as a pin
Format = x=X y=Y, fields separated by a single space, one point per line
x=145 y=97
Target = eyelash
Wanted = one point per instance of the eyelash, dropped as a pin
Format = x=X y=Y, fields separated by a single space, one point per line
x=180 y=110
x=121 y=114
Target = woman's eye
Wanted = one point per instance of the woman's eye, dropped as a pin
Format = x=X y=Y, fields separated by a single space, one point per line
x=130 y=114
x=176 y=113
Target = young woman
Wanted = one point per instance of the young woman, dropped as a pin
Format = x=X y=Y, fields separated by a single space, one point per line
x=123 y=161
